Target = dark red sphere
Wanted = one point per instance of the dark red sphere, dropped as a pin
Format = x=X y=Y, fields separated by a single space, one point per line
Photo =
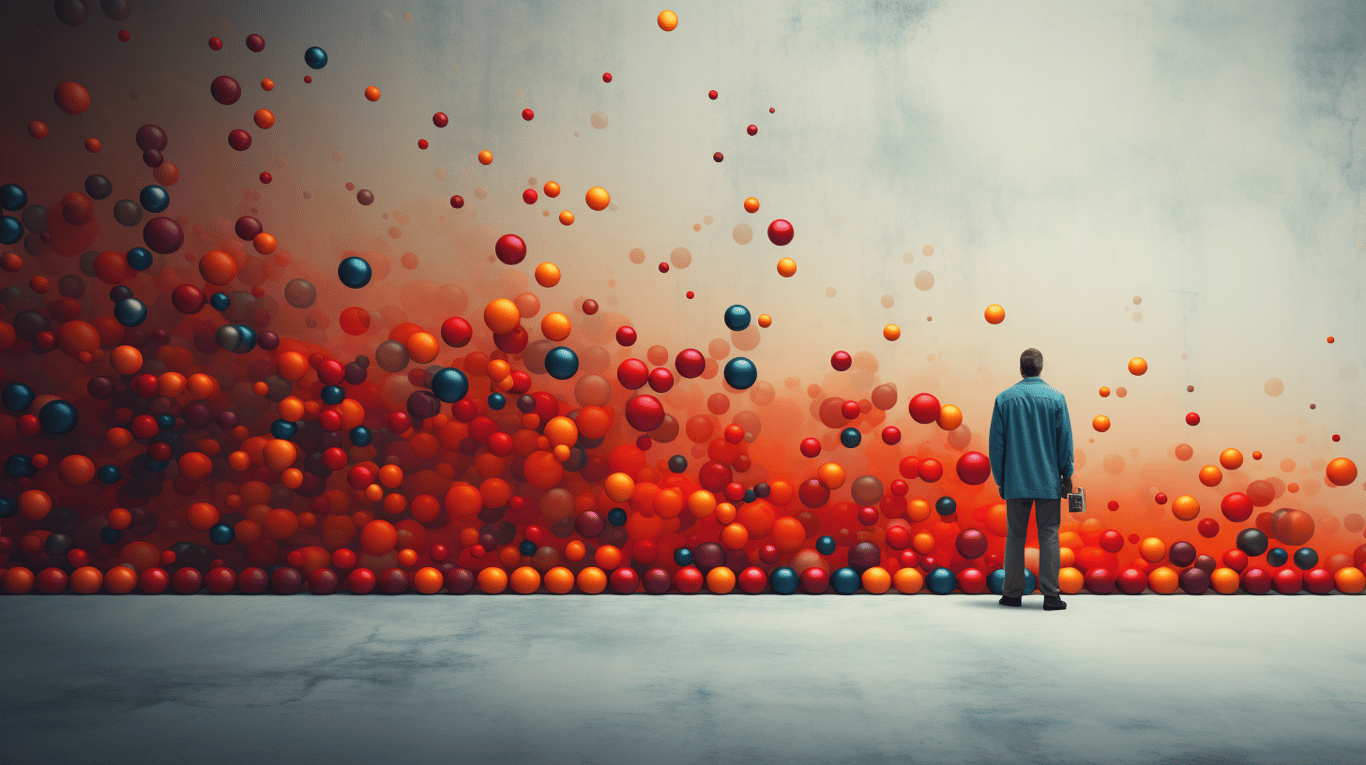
x=528 y=115
x=1318 y=581
x=1192 y=419
x=510 y=248
x=973 y=468
x=265 y=177
x=459 y=581
x=841 y=360
x=971 y=543
x=867 y=515
x=850 y=410
x=589 y=307
x=644 y=412
x=1288 y=581
x=633 y=374
x=457 y=201
x=657 y=581
x=1194 y=581
x=393 y=581
x=239 y=139
x=712 y=94
x=810 y=447
x=626 y=336
x=52 y=581
x=624 y=580
x=1256 y=581
x=323 y=581
x=187 y=580
x=924 y=408
x=163 y=235
x=972 y=581
x=215 y=43
x=718 y=156
x=151 y=138
x=456 y=332
x=690 y=362
x=815 y=580
x=1100 y=581
x=1111 y=541
x=253 y=580
x=752 y=130
x=248 y=227
x=286 y=580
x=768 y=554
x=1132 y=581
x=752 y=580
x=1208 y=528
x=891 y=435
x=1160 y=498
x=220 y=580
x=361 y=581
x=661 y=380
x=225 y=90
x=780 y=232
x=256 y=43
x=440 y=119
x=154 y=580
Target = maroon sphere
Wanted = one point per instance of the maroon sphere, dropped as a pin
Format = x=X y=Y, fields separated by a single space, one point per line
x=512 y=342
x=248 y=227
x=841 y=360
x=626 y=336
x=1132 y=581
x=52 y=581
x=151 y=138
x=815 y=580
x=1194 y=581
x=624 y=580
x=1100 y=581
x=644 y=412
x=718 y=156
x=974 y=468
x=590 y=307
x=188 y=299
x=225 y=90
x=221 y=580
x=323 y=581
x=768 y=554
x=256 y=43
x=1182 y=554
x=459 y=581
x=864 y=556
x=253 y=580
x=456 y=331
x=286 y=580
x=752 y=580
x=690 y=362
x=72 y=12
x=657 y=581
x=440 y=119
x=589 y=523
x=187 y=581
x=153 y=158
x=971 y=543
x=394 y=581
x=708 y=556
x=1318 y=581
x=510 y=249
x=1256 y=581
x=753 y=129
x=661 y=380
x=239 y=139
x=163 y=235
x=780 y=232
x=1205 y=563
x=457 y=201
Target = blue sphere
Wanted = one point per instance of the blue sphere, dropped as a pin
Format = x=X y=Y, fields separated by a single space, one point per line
x=17 y=397
x=130 y=312
x=332 y=395
x=354 y=272
x=497 y=401
x=361 y=435
x=996 y=581
x=58 y=417
x=941 y=581
x=222 y=534
x=108 y=474
x=20 y=466
x=139 y=258
x=1306 y=558
x=527 y=547
x=283 y=429
x=850 y=437
x=683 y=556
x=737 y=317
x=784 y=580
x=109 y=535
x=616 y=516
x=450 y=385
x=219 y=301
x=165 y=421
x=750 y=496
x=845 y=581
x=8 y=507
x=1277 y=556
x=561 y=363
x=13 y=197
x=11 y=230
x=315 y=57
x=740 y=373
x=946 y=506
x=154 y=198
x=825 y=545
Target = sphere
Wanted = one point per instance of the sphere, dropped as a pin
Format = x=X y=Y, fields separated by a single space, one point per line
x=1192 y=419
x=163 y=235
x=1293 y=527
x=924 y=408
x=510 y=249
x=841 y=361
x=736 y=318
x=315 y=58
x=815 y=580
x=354 y=272
x=971 y=543
x=13 y=197
x=667 y=20
x=139 y=259
x=486 y=157
x=1341 y=471
x=1252 y=542
x=784 y=580
x=973 y=468
x=597 y=198
x=780 y=232
x=1255 y=581
x=562 y=363
x=151 y=138
x=1306 y=558
x=130 y=312
x=1194 y=581
x=225 y=90
x=740 y=373
x=71 y=97
x=845 y=581
x=644 y=412
x=154 y=198
x=995 y=314
x=941 y=581
x=945 y=506
x=1137 y=366
x=58 y=417
x=17 y=397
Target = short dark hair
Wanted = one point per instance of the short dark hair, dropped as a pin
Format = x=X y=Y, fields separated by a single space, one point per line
x=1031 y=362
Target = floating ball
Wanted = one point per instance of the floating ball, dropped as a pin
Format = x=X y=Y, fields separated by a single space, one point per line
x=780 y=232
x=139 y=259
x=154 y=198
x=667 y=20
x=17 y=397
x=971 y=543
x=315 y=58
x=130 y=312
x=71 y=97
x=644 y=412
x=736 y=318
x=58 y=417
x=371 y=93
x=973 y=468
x=450 y=385
x=562 y=363
x=1341 y=471
x=1252 y=542
x=510 y=249
x=850 y=437
x=891 y=332
x=995 y=314
x=1137 y=366
x=740 y=373
x=13 y=197
x=787 y=267
x=163 y=235
x=225 y=90
x=354 y=272
x=597 y=198
x=924 y=408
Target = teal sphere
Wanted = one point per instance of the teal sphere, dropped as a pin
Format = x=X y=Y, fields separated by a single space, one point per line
x=740 y=373
x=562 y=363
x=737 y=317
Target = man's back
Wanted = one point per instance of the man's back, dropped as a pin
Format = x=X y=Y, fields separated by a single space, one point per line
x=1031 y=440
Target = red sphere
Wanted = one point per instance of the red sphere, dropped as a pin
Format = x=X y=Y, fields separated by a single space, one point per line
x=323 y=581
x=924 y=408
x=253 y=580
x=456 y=332
x=1192 y=419
x=71 y=97
x=850 y=410
x=810 y=447
x=265 y=177
x=972 y=581
x=1111 y=541
x=215 y=43
x=1100 y=581
x=225 y=90
x=891 y=435
x=971 y=543
x=632 y=374
x=1133 y=581
x=718 y=156
x=689 y=580
x=752 y=580
x=690 y=363
x=626 y=336
x=714 y=476
x=239 y=139
x=780 y=232
x=663 y=267
x=712 y=94
x=457 y=201
x=973 y=468
x=529 y=196
x=1236 y=506
x=1160 y=498
x=1235 y=559
x=440 y=119
x=361 y=581
x=527 y=114
x=752 y=130
x=644 y=412
x=769 y=554
x=256 y=43
x=815 y=580
x=286 y=580
x=187 y=581
x=590 y=307
x=52 y=581
x=510 y=248
x=606 y=76
x=624 y=580
x=841 y=360
x=422 y=143
x=221 y=580
x=867 y=515
x=898 y=537
x=393 y=581
x=1288 y=581
x=1256 y=581
x=931 y=470
x=1208 y=528
x=1318 y=581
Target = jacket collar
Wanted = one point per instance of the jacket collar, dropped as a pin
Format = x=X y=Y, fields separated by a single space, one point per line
x=1032 y=381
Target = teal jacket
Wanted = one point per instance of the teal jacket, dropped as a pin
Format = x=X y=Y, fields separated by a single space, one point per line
x=1031 y=441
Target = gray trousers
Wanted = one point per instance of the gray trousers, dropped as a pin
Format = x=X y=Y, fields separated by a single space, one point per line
x=1047 y=515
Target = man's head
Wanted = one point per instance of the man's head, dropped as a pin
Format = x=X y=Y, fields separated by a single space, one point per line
x=1031 y=363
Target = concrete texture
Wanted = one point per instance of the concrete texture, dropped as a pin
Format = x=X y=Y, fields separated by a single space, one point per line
x=681 y=679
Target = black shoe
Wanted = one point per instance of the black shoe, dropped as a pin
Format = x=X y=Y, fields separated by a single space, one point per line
x=1007 y=600
x=1054 y=603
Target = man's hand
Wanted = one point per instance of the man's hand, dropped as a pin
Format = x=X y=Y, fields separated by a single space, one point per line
x=1066 y=485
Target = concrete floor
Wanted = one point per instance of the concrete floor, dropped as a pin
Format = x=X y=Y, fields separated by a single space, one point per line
x=681 y=679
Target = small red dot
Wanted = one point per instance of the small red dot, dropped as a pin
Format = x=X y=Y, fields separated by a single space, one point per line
x=308 y=78
x=215 y=43
x=1330 y=338
x=718 y=156
x=753 y=130
x=440 y=119
x=712 y=95
x=1113 y=505
x=266 y=177
x=527 y=114
x=457 y=201
x=770 y=110
x=690 y=296
x=606 y=76
x=663 y=267
x=1336 y=437
x=422 y=143
x=124 y=36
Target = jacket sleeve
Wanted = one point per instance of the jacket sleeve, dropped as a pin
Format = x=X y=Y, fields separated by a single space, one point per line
x=996 y=445
x=1064 y=440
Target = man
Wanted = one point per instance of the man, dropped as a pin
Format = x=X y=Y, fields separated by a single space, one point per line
x=1031 y=462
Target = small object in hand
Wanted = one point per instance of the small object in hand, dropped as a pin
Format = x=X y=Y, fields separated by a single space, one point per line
x=1076 y=501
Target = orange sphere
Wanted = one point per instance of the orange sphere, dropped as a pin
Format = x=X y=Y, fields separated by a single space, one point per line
x=721 y=580
x=378 y=537
x=201 y=516
x=891 y=332
x=788 y=534
x=1101 y=423
x=75 y=337
x=597 y=198
x=428 y=580
x=171 y=384
x=908 y=580
x=1231 y=459
x=752 y=205
x=918 y=510
x=279 y=453
x=18 y=580
x=280 y=523
x=876 y=580
x=787 y=267
x=486 y=157
x=217 y=267
x=592 y=580
x=575 y=551
x=1137 y=366
x=735 y=536
x=765 y=320
x=1152 y=549
x=923 y=543
x=501 y=315
x=291 y=365
x=566 y=218
x=1163 y=580
x=422 y=347
x=526 y=580
x=608 y=557
x=552 y=189
x=120 y=580
x=86 y=580
x=76 y=470
x=372 y=93
x=1070 y=580
x=265 y=118
x=1224 y=581
x=1349 y=580
x=1256 y=455
x=492 y=580
x=119 y=518
x=35 y=504
x=667 y=20
x=831 y=475
x=995 y=314
x=559 y=580
x=547 y=274
x=267 y=83
x=1185 y=507
x=1341 y=471
x=1104 y=392
x=1211 y=475
x=264 y=243
x=950 y=417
